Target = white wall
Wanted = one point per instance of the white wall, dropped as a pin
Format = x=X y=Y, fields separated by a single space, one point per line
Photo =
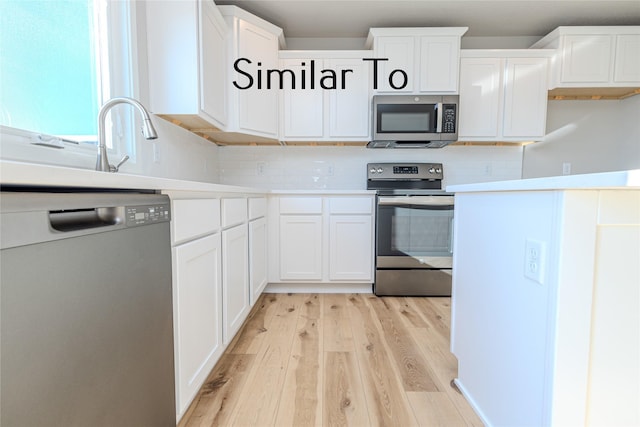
x=594 y=136
x=345 y=167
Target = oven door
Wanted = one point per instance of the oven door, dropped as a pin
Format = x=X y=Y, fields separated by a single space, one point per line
x=414 y=246
x=415 y=232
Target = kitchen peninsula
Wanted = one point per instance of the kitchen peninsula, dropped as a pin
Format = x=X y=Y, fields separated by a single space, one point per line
x=546 y=299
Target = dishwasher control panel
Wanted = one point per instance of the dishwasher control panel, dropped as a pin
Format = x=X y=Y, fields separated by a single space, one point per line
x=147 y=214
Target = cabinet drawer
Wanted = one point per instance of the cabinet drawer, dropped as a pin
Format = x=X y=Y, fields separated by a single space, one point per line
x=301 y=205
x=257 y=207
x=350 y=205
x=234 y=211
x=193 y=218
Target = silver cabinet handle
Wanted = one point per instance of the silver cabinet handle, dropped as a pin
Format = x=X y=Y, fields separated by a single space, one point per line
x=439 y=114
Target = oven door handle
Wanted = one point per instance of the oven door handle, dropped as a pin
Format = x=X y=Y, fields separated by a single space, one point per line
x=416 y=201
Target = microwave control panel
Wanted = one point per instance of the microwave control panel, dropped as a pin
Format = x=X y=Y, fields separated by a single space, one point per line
x=449 y=118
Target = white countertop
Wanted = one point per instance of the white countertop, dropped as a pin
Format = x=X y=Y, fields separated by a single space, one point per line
x=592 y=181
x=31 y=174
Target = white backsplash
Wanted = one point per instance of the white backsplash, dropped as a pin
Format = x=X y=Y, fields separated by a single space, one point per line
x=344 y=168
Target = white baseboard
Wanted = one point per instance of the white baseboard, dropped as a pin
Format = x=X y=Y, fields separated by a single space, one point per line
x=472 y=403
x=319 y=288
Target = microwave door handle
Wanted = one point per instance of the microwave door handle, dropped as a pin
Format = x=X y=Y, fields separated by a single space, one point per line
x=439 y=117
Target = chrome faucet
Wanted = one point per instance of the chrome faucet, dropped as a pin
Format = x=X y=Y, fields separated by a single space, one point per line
x=149 y=132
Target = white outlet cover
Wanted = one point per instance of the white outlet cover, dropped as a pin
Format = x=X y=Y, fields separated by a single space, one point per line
x=534 y=260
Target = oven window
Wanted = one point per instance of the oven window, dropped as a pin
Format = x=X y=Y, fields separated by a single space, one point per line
x=400 y=118
x=399 y=122
x=414 y=231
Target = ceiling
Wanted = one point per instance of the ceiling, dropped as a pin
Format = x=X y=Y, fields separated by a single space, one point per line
x=493 y=18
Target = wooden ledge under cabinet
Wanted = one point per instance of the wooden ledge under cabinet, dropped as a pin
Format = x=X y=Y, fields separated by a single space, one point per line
x=592 y=93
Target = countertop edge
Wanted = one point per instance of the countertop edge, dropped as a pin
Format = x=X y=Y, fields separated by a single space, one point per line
x=15 y=173
x=619 y=180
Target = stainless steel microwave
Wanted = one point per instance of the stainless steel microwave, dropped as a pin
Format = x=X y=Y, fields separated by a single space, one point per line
x=414 y=121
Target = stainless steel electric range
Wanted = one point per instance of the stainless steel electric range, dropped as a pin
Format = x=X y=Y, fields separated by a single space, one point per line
x=414 y=229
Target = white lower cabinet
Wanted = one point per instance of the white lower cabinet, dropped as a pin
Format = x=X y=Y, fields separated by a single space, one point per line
x=219 y=245
x=301 y=247
x=350 y=249
x=197 y=314
x=197 y=293
x=235 y=280
x=257 y=258
x=325 y=239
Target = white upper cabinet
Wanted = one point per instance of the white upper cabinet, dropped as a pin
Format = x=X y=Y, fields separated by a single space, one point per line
x=503 y=95
x=587 y=60
x=481 y=91
x=399 y=53
x=627 y=59
x=594 y=56
x=192 y=46
x=416 y=60
x=328 y=97
x=254 y=45
x=186 y=42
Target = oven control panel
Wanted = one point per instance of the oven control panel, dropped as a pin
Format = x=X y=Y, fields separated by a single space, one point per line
x=404 y=171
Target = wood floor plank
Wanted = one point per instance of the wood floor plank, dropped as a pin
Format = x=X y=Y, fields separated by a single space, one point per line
x=322 y=359
x=344 y=399
x=250 y=337
x=436 y=312
x=301 y=401
x=262 y=391
x=435 y=409
x=385 y=396
x=221 y=392
x=408 y=312
x=337 y=334
x=414 y=370
x=445 y=366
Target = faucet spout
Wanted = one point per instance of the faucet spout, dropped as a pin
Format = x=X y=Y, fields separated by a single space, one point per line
x=149 y=132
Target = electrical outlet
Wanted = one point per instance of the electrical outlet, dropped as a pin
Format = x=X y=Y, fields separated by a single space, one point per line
x=566 y=168
x=260 y=168
x=534 y=260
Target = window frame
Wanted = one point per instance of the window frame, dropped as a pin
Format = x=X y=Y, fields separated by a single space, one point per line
x=117 y=61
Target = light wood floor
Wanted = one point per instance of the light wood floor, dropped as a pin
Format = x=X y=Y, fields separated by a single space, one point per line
x=336 y=359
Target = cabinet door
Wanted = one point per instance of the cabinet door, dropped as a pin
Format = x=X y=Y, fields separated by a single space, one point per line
x=303 y=109
x=235 y=281
x=301 y=247
x=212 y=77
x=257 y=258
x=627 y=62
x=401 y=53
x=258 y=108
x=172 y=39
x=587 y=59
x=197 y=315
x=480 y=97
x=350 y=247
x=525 y=101
x=439 y=58
x=349 y=107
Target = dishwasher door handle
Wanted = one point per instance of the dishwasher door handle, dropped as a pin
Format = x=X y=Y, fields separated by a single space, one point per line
x=84 y=219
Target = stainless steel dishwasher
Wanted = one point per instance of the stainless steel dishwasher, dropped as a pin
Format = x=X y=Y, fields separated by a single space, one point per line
x=85 y=310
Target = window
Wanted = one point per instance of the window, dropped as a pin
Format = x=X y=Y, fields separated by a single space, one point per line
x=60 y=61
